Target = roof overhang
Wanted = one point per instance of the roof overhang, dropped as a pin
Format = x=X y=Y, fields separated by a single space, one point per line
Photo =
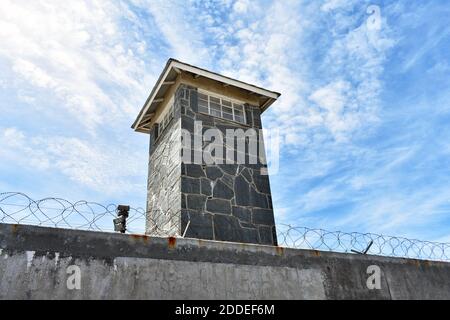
x=168 y=78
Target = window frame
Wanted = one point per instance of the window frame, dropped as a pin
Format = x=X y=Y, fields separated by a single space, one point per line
x=221 y=98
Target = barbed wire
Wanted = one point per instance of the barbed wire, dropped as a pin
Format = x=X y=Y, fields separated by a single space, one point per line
x=361 y=243
x=18 y=208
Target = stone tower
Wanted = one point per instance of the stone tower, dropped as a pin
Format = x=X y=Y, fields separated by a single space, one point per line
x=206 y=180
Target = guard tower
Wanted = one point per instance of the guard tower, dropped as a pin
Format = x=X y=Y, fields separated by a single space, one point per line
x=201 y=183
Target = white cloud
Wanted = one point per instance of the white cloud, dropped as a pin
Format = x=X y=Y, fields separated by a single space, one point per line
x=180 y=27
x=330 y=5
x=97 y=167
x=74 y=51
x=241 y=6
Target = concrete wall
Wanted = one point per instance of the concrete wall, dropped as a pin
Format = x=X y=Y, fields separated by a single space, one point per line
x=34 y=264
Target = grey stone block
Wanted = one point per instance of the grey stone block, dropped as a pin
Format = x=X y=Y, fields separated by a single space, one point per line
x=274 y=235
x=206 y=187
x=194 y=170
x=226 y=228
x=231 y=169
x=200 y=225
x=257 y=199
x=222 y=191
x=261 y=182
x=269 y=201
x=213 y=172
x=243 y=214
x=183 y=201
x=196 y=202
x=263 y=216
x=218 y=206
x=265 y=235
x=190 y=185
x=249 y=235
x=187 y=123
x=242 y=191
x=228 y=180
x=247 y=175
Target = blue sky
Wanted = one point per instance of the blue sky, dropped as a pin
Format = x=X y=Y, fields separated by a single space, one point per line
x=364 y=114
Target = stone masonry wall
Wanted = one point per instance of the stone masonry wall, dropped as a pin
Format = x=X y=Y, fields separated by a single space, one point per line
x=164 y=174
x=225 y=202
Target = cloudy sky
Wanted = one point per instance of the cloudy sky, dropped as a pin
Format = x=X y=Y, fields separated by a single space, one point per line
x=364 y=114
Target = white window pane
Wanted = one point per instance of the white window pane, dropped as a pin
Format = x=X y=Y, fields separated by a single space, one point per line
x=228 y=116
x=226 y=103
x=202 y=96
x=239 y=107
x=214 y=100
x=215 y=106
x=216 y=113
x=227 y=110
x=203 y=109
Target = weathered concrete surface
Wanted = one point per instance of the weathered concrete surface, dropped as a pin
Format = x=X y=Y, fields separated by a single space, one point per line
x=34 y=263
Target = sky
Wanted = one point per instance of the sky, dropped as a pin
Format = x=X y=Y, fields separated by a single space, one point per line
x=364 y=114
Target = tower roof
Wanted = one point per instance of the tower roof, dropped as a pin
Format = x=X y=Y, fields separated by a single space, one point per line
x=169 y=78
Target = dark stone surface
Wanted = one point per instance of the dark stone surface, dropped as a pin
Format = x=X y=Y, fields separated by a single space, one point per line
x=263 y=216
x=196 y=202
x=246 y=174
x=183 y=201
x=243 y=214
x=265 y=235
x=274 y=236
x=206 y=187
x=261 y=182
x=190 y=185
x=257 y=199
x=187 y=123
x=231 y=169
x=242 y=191
x=218 y=206
x=194 y=170
x=226 y=228
x=269 y=201
x=200 y=225
x=213 y=173
x=222 y=191
x=249 y=235
x=228 y=180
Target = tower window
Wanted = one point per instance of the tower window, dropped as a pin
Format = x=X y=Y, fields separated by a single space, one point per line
x=221 y=107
